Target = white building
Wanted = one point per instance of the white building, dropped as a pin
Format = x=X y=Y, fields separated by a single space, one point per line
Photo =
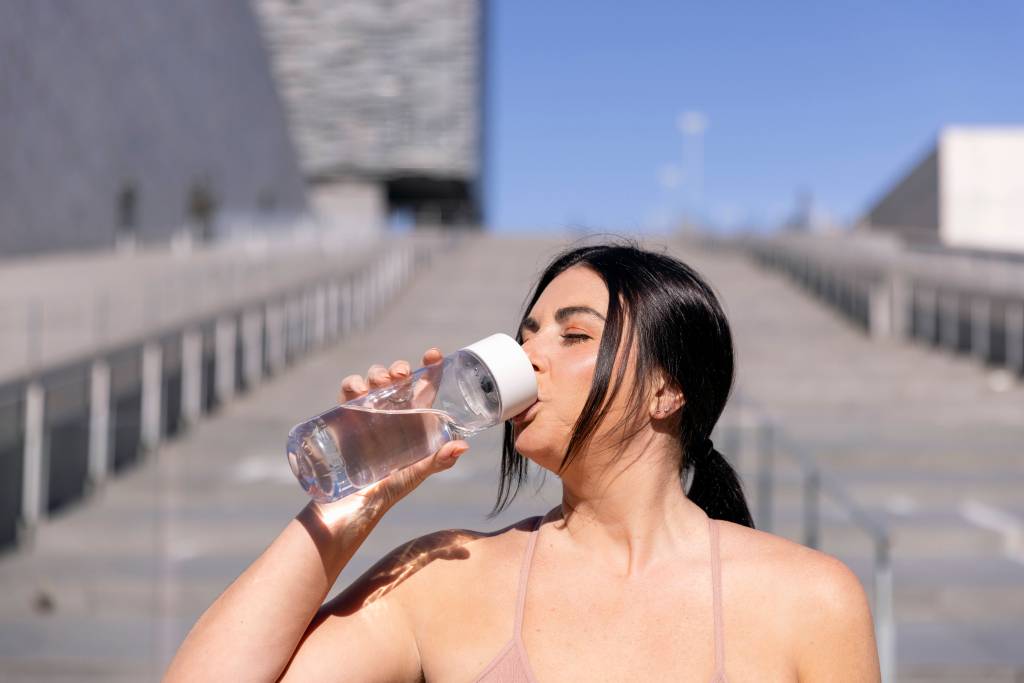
x=967 y=192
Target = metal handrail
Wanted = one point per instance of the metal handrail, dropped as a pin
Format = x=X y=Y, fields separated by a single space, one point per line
x=771 y=438
x=371 y=284
x=930 y=295
x=172 y=300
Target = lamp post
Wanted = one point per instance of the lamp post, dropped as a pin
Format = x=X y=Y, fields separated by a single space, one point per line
x=692 y=125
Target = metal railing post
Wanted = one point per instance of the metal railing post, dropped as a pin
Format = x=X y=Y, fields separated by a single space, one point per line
x=900 y=289
x=191 y=375
x=225 y=330
x=252 y=346
x=731 y=445
x=812 y=513
x=99 y=421
x=1015 y=337
x=929 y=303
x=318 y=309
x=885 y=624
x=347 y=306
x=949 y=320
x=34 y=483
x=981 y=313
x=880 y=310
x=332 y=311
x=152 y=395
x=277 y=335
x=374 y=276
x=765 y=476
x=365 y=299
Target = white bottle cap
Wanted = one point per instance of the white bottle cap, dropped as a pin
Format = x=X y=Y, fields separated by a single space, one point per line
x=512 y=371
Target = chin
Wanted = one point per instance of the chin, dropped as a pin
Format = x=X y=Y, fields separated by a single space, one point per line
x=538 y=451
x=525 y=443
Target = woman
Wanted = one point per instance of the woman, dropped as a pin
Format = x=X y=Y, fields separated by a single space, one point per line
x=629 y=579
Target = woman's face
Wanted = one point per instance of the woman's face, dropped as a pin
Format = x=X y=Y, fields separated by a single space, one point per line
x=561 y=335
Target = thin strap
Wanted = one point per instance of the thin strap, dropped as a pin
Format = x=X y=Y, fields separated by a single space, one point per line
x=716 y=589
x=524 y=574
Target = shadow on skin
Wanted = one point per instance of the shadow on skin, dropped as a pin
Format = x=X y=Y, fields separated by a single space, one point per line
x=395 y=567
x=403 y=562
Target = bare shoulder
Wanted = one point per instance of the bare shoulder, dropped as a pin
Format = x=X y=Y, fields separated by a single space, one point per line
x=424 y=568
x=815 y=574
x=820 y=603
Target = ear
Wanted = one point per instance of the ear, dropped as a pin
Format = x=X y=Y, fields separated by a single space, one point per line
x=667 y=398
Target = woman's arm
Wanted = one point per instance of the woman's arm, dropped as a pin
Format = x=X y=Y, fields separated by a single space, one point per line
x=252 y=630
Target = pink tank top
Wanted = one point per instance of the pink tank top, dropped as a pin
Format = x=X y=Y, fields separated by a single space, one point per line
x=511 y=665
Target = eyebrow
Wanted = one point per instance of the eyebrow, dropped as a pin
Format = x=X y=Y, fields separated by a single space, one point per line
x=561 y=315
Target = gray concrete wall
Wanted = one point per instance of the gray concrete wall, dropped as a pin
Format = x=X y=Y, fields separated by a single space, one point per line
x=102 y=99
x=911 y=207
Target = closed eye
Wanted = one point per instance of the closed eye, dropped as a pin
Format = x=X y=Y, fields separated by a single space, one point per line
x=571 y=339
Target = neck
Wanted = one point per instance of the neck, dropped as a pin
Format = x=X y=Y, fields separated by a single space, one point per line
x=629 y=514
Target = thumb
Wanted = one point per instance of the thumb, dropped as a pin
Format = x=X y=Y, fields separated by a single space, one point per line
x=447 y=455
x=401 y=482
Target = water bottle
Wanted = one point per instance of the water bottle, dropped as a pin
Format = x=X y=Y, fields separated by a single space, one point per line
x=363 y=440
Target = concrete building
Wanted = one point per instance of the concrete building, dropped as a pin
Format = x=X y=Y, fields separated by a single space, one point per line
x=385 y=102
x=967 y=192
x=135 y=122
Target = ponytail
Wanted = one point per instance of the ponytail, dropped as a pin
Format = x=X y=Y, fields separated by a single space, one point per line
x=715 y=487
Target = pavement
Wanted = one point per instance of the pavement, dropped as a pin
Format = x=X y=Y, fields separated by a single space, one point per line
x=930 y=442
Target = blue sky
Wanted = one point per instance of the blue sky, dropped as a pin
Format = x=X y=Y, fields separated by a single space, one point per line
x=835 y=98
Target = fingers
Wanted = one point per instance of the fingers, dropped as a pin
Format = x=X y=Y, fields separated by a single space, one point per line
x=448 y=454
x=432 y=355
x=378 y=376
x=400 y=483
x=412 y=476
x=354 y=386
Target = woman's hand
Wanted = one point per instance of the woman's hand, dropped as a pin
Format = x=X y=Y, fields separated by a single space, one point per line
x=380 y=496
x=254 y=630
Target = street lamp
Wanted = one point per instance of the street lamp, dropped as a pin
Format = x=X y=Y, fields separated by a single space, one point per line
x=692 y=125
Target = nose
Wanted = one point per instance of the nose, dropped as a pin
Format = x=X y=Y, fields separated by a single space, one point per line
x=531 y=353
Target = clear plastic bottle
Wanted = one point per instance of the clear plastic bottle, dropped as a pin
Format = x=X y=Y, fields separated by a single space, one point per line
x=363 y=440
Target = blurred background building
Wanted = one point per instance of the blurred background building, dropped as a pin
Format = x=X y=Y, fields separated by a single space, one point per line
x=155 y=125
x=967 y=191
x=152 y=122
x=385 y=101
x=124 y=123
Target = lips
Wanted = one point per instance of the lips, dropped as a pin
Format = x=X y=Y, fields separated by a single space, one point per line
x=528 y=413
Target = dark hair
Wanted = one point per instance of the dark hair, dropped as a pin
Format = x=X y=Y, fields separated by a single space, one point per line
x=678 y=326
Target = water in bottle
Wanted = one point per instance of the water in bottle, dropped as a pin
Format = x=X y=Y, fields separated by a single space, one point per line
x=363 y=440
